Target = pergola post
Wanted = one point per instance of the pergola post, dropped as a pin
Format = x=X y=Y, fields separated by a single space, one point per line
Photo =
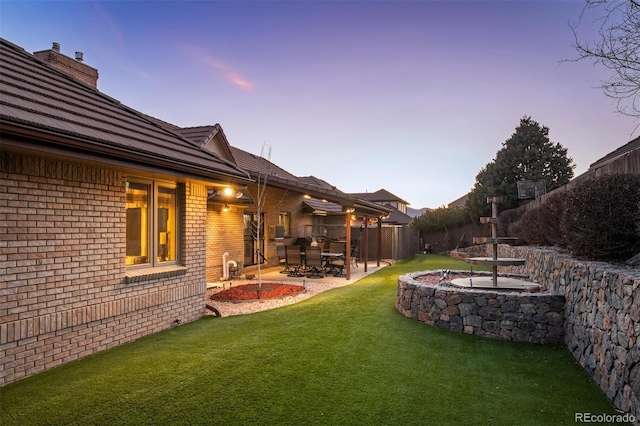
x=365 y=242
x=348 y=247
x=379 y=245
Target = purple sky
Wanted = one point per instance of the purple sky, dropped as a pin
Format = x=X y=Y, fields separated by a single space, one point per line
x=414 y=97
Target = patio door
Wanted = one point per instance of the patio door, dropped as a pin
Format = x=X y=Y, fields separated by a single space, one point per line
x=253 y=242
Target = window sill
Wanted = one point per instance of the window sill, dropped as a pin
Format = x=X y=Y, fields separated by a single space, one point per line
x=147 y=274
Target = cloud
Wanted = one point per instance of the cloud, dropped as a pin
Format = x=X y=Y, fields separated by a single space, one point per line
x=228 y=72
x=109 y=22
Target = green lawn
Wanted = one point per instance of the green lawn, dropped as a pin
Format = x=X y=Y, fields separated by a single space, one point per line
x=343 y=357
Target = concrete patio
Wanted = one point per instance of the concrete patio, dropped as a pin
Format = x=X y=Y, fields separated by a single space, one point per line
x=273 y=275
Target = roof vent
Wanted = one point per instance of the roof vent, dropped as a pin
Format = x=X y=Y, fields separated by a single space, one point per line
x=55 y=47
x=79 y=56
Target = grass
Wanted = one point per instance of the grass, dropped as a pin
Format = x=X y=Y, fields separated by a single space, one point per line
x=343 y=357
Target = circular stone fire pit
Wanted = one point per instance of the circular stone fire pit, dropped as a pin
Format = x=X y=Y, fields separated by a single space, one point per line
x=497 y=313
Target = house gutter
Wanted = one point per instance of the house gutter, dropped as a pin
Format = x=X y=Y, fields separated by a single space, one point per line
x=69 y=145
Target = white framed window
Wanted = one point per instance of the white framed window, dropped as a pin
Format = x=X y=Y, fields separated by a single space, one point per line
x=153 y=223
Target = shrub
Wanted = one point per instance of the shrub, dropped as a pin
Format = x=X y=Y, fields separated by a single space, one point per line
x=509 y=219
x=552 y=212
x=530 y=228
x=602 y=217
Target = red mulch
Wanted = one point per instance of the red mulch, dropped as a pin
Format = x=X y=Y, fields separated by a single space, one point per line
x=250 y=292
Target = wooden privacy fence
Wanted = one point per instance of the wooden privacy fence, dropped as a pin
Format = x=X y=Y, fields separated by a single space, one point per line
x=397 y=242
x=461 y=236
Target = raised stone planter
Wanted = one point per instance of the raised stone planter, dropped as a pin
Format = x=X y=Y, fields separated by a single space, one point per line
x=521 y=317
x=602 y=315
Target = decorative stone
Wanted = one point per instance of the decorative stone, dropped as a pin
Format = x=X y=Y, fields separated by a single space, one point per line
x=510 y=306
x=554 y=318
x=490 y=313
x=465 y=309
x=481 y=301
x=491 y=326
x=527 y=325
x=453 y=299
x=451 y=310
x=473 y=320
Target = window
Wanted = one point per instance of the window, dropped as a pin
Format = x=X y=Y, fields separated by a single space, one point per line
x=152 y=223
x=284 y=220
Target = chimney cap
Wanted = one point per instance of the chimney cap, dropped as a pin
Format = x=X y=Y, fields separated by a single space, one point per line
x=79 y=56
x=55 y=46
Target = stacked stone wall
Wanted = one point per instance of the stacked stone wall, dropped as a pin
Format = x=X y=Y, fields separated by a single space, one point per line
x=602 y=316
x=522 y=317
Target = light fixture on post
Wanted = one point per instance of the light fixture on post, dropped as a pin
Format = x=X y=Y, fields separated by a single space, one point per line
x=226 y=208
x=228 y=191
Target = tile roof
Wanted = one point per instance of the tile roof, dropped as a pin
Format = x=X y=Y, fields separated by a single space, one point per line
x=396 y=217
x=57 y=111
x=312 y=180
x=256 y=164
x=315 y=187
x=379 y=195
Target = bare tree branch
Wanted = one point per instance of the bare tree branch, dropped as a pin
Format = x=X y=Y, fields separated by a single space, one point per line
x=617 y=48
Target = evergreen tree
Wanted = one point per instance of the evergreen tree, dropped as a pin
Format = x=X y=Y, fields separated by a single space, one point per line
x=527 y=155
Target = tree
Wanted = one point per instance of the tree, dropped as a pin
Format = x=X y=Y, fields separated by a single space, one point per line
x=260 y=200
x=441 y=219
x=617 y=48
x=527 y=155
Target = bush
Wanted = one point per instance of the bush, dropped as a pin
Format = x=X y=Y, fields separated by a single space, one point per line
x=552 y=212
x=509 y=219
x=530 y=229
x=441 y=219
x=602 y=217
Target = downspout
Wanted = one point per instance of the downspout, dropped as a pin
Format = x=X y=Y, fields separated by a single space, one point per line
x=225 y=267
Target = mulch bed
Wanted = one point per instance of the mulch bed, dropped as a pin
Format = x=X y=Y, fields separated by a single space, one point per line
x=250 y=292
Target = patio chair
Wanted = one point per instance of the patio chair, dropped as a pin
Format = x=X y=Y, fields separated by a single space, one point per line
x=294 y=260
x=313 y=262
x=355 y=248
x=282 y=258
x=336 y=264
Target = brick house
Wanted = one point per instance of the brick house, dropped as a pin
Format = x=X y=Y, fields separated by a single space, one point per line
x=294 y=207
x=103 y=216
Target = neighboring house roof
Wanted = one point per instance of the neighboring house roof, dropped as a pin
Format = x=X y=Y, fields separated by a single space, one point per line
x=624 y=149
x=58 y=114
x=459 y=202
x=396 y=217
x=379 y=195
x=310 y=185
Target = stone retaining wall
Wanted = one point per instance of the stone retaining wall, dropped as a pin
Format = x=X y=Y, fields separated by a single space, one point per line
x=522 y=317
x=602 y=316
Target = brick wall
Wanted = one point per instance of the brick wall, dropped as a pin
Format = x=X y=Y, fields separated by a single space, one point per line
x=224 y=233
x=64 y=291
x=225 y=230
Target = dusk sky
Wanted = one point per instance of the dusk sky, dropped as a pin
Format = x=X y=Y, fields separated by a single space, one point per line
x=411 y=96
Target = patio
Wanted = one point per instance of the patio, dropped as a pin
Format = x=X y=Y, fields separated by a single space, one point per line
x=312 y=287
x=273 y=274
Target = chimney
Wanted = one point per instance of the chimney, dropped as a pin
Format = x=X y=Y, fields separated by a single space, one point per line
x=76 y=68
